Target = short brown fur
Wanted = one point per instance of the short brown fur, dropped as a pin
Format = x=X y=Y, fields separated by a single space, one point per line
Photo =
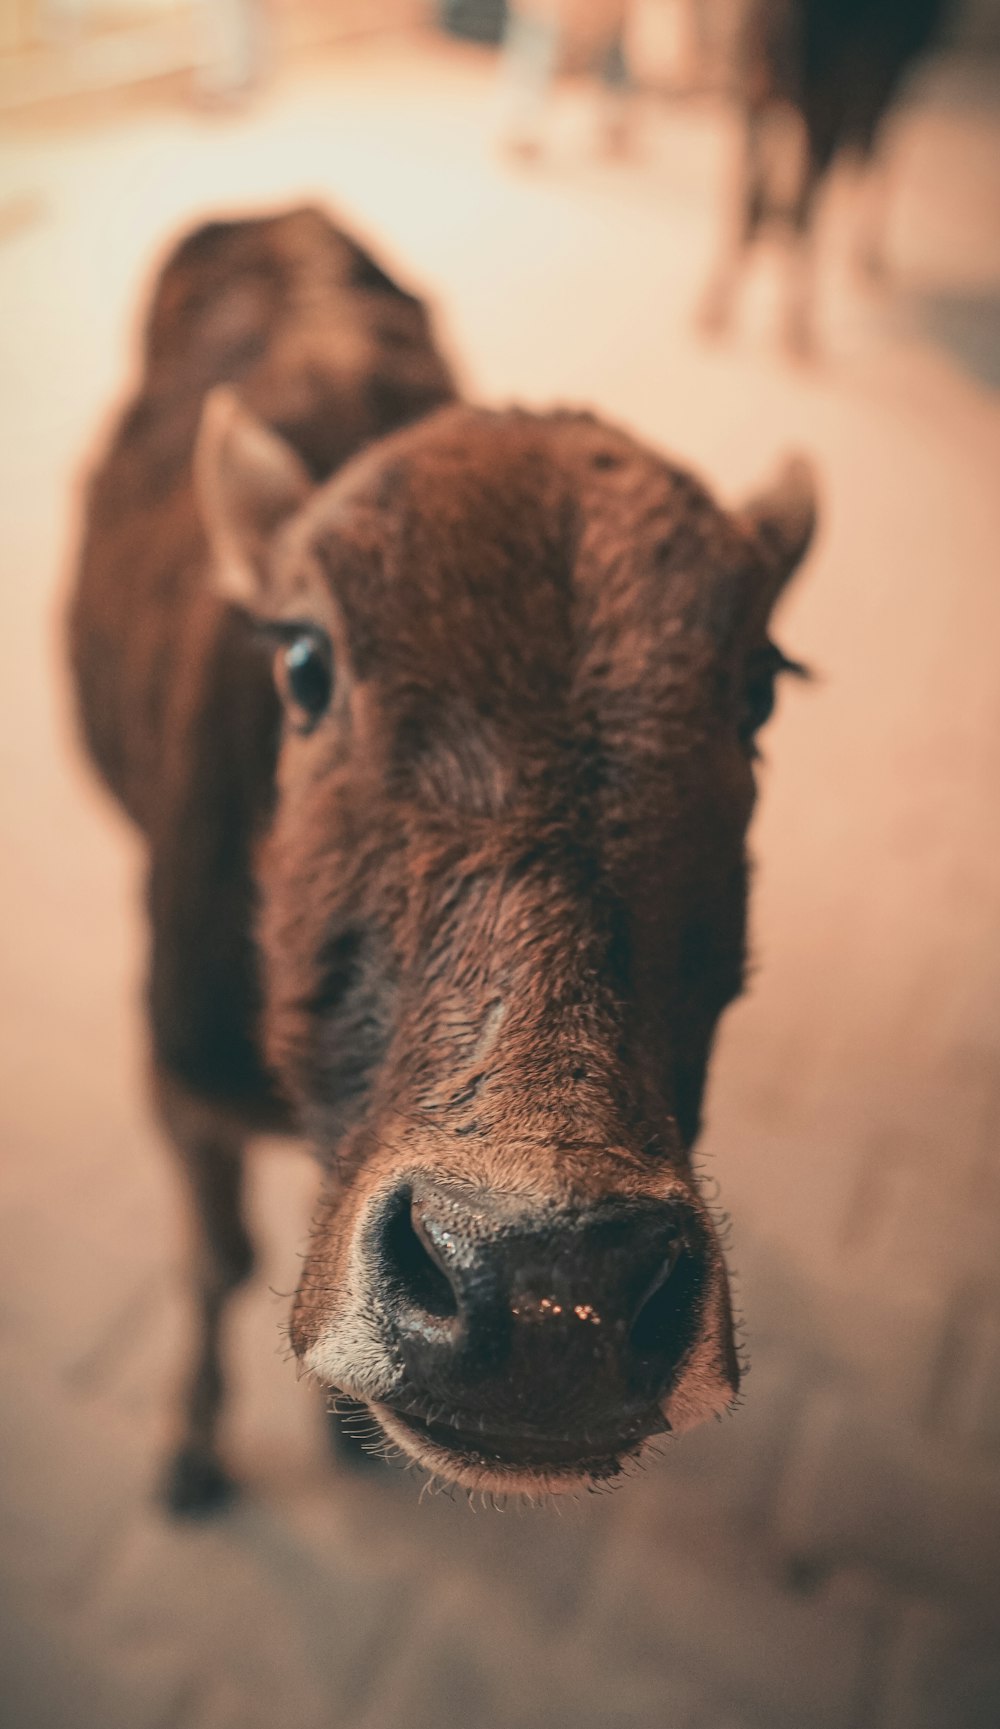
x=474 y=929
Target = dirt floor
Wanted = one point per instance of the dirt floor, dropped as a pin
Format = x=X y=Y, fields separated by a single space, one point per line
x=828 y=1558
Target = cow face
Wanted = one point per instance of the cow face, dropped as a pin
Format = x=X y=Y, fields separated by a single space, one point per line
x=523 y=662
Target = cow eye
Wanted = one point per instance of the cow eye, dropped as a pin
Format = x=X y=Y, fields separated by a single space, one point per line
x=303 y=672
x=758 y=704
x=758 y=692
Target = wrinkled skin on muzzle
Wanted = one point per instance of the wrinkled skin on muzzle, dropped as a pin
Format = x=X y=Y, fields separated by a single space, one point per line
x=503 y=906
x=498 y=1231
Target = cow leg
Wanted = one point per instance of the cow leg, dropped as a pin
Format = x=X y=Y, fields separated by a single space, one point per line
x=210 y=1157
x=799 y=313
x=716 y=308
x=874 y=191
x=530 y=54
x=870 y=259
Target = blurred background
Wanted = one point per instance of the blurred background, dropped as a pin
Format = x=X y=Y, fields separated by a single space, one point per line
x=829 y=1556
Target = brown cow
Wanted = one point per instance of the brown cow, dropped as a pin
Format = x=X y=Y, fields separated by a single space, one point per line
x=816 y=79
x=445 y=766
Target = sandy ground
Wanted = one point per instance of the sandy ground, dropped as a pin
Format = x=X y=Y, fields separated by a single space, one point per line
x=831 y=1555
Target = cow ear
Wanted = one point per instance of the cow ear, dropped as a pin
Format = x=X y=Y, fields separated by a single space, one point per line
x=248 y=481
x=780 y=521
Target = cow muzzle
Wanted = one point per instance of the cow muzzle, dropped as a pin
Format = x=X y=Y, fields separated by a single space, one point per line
x=533 y=1347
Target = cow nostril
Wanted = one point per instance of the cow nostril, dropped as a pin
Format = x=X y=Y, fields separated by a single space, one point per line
x=412 y=1264
x=664 y=1326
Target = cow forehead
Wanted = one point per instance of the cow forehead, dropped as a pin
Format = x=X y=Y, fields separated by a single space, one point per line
x=549 y=669
x=513 y=555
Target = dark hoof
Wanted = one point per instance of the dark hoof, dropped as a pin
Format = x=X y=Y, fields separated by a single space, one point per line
x=196 y=1486
x=354 y=1436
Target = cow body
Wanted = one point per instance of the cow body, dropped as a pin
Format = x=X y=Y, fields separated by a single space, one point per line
x=177 y=698
x=439 y=725
x=815 y=79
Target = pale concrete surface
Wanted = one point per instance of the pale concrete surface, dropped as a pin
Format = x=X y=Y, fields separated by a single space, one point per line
x=830 y=1556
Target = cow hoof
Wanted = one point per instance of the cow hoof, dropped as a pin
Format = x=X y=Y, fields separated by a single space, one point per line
x=196 y=1486
x=353 y=1435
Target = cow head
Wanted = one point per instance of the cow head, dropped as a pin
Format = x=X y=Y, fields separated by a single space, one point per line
x=523 y=662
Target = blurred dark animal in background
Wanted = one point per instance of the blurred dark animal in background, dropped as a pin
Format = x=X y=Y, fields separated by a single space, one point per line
x=815 y=78
x=445 y=765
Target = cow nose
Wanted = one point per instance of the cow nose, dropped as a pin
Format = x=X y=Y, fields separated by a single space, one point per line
x=547 y=1319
